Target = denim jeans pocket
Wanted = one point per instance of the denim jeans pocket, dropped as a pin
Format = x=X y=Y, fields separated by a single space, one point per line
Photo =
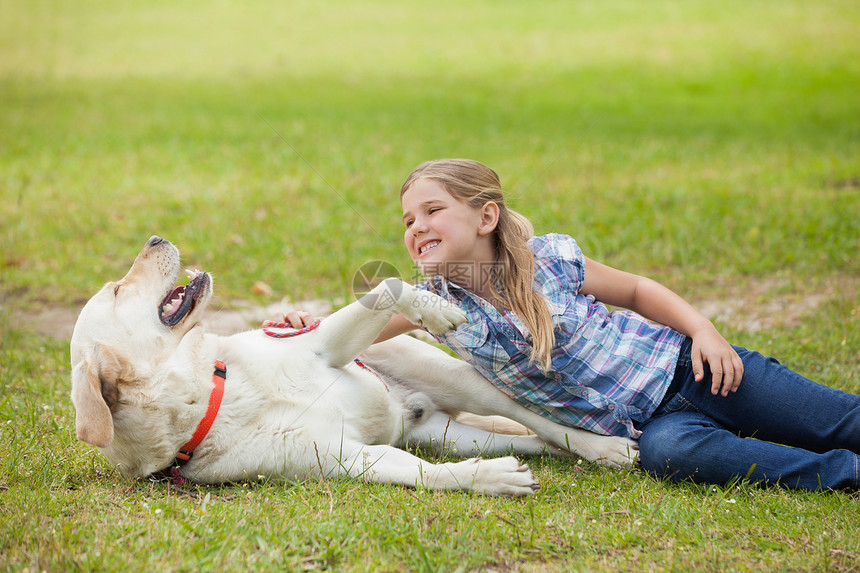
x=677 y=403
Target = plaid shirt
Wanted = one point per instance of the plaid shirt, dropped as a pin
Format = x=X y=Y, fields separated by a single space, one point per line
x=608 y=368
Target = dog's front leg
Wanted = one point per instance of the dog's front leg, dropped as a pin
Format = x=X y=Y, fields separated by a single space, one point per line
x=386 y=464
x=349 y=331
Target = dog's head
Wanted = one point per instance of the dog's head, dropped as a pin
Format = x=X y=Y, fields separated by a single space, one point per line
x=124 y=337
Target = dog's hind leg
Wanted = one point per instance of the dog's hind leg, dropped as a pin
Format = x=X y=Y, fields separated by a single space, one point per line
x=455 y=386
x=442 y=435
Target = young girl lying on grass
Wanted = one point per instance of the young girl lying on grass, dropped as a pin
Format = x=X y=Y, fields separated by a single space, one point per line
x=540 y=331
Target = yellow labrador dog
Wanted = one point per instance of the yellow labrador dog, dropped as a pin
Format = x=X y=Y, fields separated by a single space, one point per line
x=153 y=390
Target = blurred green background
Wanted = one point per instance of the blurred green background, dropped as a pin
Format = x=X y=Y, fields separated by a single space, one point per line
x=269 y=140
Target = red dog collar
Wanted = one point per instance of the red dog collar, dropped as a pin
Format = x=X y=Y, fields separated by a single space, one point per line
x=218 y=379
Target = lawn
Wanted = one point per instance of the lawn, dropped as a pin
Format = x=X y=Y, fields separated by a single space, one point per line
x=714 y=146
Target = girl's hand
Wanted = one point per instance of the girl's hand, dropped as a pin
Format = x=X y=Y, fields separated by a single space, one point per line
x=295 y=318
x=727 y=370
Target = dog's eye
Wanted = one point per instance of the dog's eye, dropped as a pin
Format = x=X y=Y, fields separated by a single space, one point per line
x=116 y=289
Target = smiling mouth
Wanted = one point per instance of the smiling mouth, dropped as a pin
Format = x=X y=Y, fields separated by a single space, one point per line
x=182 y=299
x=428 y=246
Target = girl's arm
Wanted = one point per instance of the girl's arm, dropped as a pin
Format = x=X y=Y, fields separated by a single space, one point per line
x=659 y=304
x=396 y=325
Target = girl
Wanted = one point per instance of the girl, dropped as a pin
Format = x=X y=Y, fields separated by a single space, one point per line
x=540 y=331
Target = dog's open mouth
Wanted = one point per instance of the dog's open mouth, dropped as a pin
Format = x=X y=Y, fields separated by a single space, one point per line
x=182 y=299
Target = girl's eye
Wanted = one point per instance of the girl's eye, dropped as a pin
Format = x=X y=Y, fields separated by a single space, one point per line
x=408 y=223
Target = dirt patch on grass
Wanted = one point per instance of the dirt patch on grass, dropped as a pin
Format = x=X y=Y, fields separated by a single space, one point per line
x=227 y=319
x=751 y=305
x=762 y=305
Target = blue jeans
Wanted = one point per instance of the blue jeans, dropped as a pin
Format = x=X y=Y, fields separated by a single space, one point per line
x=778 y=428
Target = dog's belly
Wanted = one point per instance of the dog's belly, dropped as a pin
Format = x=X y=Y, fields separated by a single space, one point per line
x=288 y=377
x=352 y=399
x=366 y=406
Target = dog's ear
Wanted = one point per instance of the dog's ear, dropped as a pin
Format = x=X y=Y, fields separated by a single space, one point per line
x=93 y=394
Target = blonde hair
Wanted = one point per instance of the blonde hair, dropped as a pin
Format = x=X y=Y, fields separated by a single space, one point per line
x=476 y=184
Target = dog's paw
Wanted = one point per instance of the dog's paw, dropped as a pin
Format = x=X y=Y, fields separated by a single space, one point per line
x=505 y=477
x=617 y=452
x=429 y=310
x=448 y=318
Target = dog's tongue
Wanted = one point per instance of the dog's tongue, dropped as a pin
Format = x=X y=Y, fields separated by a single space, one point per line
x=173 y=303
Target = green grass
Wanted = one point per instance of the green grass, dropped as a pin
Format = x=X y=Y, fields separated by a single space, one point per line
x=711 y=145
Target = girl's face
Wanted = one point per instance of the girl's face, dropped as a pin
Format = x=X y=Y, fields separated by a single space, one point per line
x=442 y=230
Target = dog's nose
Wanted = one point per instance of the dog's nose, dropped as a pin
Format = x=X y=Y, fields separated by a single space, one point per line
x=154 y=240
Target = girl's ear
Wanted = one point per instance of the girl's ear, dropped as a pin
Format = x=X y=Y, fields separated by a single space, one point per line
x=489 y=218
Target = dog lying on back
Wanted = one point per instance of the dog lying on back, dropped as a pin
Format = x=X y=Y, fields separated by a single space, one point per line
x=149 y=384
